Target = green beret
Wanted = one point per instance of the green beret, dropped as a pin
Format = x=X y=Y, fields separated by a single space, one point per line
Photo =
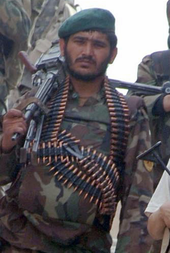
x=88 y=19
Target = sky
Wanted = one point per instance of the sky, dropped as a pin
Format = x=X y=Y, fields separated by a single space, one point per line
x=141 y=28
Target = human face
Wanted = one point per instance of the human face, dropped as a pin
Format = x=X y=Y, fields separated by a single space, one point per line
x=87 y=54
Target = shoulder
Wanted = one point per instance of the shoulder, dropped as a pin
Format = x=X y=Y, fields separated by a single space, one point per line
x=158 y=55
x=154 y=68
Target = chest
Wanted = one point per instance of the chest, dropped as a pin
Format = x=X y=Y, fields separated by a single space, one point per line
x=49 y=199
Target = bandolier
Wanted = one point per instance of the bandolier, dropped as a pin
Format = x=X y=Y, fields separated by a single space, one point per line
x=90 y=172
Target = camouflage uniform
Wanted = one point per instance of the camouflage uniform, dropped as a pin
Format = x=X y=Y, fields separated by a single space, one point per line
x=41 y=213
x=51 y=15
x=33 y=9
x=154 y=70
x=132 y=234
x=14 y=31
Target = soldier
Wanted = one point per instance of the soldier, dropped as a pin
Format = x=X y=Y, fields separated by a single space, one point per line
x=14 y=31
x=33 y=9
x=154 y=70
x=66 y=184
x=52 y=15
x=47 y=16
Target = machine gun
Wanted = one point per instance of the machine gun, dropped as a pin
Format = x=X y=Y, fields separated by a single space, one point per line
x=144 y=89
x=47 y=74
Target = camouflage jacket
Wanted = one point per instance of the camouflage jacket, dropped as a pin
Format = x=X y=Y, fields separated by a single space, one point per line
x=41 y=214
x=33 y=8
x=154 y=70
x=51 y=15
x=14 y=30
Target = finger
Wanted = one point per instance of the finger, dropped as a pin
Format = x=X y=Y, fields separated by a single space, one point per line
x=17 y=127
x=13 y=113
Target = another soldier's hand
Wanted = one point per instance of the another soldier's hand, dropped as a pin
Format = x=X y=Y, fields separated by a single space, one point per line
x=13 y=122
x=165 y=213
x=166 y=103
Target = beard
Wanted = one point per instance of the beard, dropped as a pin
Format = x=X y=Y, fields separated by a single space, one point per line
x=85 y=77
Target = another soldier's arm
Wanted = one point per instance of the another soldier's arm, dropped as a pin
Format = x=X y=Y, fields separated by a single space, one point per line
x=158 y=221
x=158 y=209
x=138 y=188
x=144 y=75
x=13 y=122
x=154 y=103
x=157 y=105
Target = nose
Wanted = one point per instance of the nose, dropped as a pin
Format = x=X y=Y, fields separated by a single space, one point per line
x=88 y=49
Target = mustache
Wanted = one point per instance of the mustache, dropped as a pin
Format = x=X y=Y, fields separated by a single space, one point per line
x=89 y=58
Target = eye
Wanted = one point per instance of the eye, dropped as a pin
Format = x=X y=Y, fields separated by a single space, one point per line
x=79 y=41
x=99 y=44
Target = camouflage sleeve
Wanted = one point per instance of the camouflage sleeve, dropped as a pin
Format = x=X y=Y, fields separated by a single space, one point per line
x=9 y=162
x=146 y=75
x=8 y=165
x=14 y=21
x=36 y=7
x=138 y=188
x=150 y=103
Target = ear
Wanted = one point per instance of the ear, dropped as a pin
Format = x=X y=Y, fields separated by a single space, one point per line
x=113 y=55
x=62 y=46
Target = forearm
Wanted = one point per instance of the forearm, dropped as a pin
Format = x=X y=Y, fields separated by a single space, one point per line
x=156 y=225
x=7 y=167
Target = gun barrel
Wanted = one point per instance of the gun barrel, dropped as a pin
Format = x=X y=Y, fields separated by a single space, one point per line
x=143 y=88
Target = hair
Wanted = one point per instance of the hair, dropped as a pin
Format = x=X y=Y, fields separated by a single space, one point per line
x=112 y=39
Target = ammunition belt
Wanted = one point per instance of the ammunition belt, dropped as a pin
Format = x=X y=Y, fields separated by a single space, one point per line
x=91 y=173
x=119 y=116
